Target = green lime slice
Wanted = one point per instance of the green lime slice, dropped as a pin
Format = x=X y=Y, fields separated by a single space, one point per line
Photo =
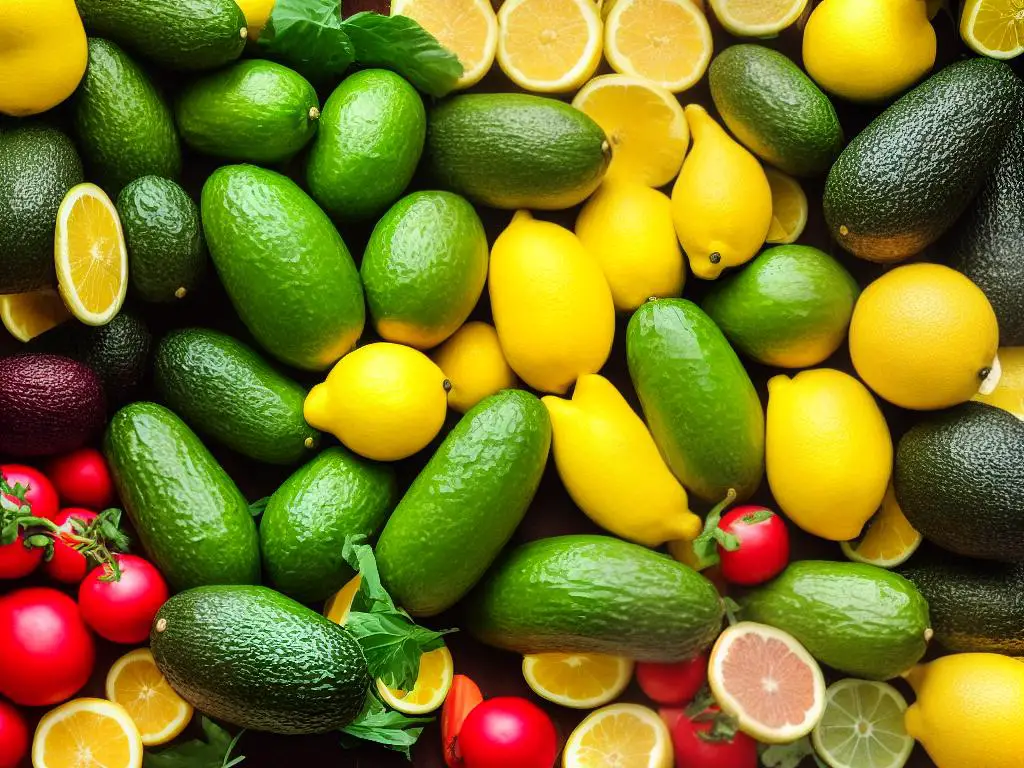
x=862 y=726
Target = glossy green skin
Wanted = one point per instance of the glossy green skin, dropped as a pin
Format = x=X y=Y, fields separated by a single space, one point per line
x=254 y=111
x=303 y=528
x=424 y=268
x=259 y=660
x=959 y=479
x=229 y=393
x=903 y=180
x=697 y=398
x=595 y=594
x=177 y=34
x=790 y=307
x=512 y=150
x=191 y=518
x=166 y=249
x=463 y=507
x=285 y=267
x=775 y=110
x=371 y=137
x=860 y=619
x=38 y=165
x=124 y=127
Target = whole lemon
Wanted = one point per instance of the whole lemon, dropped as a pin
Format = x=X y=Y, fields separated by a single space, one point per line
x=472 y=360
x=923 y=337
x=42 y=55
x=969 y=711
x=384 y=401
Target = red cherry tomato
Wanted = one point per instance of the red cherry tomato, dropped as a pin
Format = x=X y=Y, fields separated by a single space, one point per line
x=13 y=736
x=508 y=732
x=18 y=560
x=122 y=611
x=68 y=565
x=41 y=494
x=763 y=550
x=675 y=683
x=46 y=651
x=83 y=478
x=693 y=751
x=462 y=698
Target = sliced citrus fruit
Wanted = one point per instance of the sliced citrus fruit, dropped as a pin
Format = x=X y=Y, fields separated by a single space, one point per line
x=87 y=733
x=137 y=684
x=577 y=680
x=665 y=41
x=862 y=726
x=789 y=207
x=340 y=603
x=27 y=315
x=888 y=539
x=1009 y=391
x=90 y=255
x=549 y=46
x=644 y=123
x=620 y=735
x=766 y=680
x=467 y=28
x=432 y=684
x=605 y=7
x=994 y=27
x=757 y=18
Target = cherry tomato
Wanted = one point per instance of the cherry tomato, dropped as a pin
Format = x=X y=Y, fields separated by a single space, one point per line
x=508 y=732
x=122 y=610
x=17 y=560
x=41 y=494
x=13 y=736
x=462 y=698
x=83 y=478
x=693 y=751
x=675 y=683
x=46 y=651
x=763 y=549
x=68 y=565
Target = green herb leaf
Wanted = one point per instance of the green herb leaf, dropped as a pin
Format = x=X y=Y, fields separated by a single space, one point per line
x=758 y=517
x=307 y=36
x=384 y=726
x=259 y=506
x=371 y=595
x=787 y=755
x=215 y=752
x=705 y=546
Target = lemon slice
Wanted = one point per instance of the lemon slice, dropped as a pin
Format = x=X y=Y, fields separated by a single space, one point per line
x=993 y=27
x=623 y=735
x=90 y=255
x=1008 y=393
x=467 y=28
x=87 y=733
x=789 y=207
x=432 y=684
x=27 y=315
x=340 y=603
x=862 y=726
x=644 y=124
x=577 y=680
x=137 y=684
x=549 y=46
x=665 y=41
x=888 y=539
x=757 y=18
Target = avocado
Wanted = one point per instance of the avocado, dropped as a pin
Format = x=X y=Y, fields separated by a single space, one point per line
x=230 y=394
x=166 y=250
x=775 y=110
x=177 y=34
x=253 y=110
x=595 y=594
x=513 y=150
x=370 y=140
x=190 y=517
x=118 y=352
x=959 y=479
x=306 y=521
x=903 y=181
x=860 y=619
x=697 y=399
x=463 y=507
x=259 y=660
x=49 y=404
x=124 y=127
x=38 y=165
x=285 y=267
x=424 y=268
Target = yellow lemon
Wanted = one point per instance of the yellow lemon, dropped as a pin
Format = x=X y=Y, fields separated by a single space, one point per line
x=432 y=684
x=1009 y=392
x=620 y=735
x=87 y=733
x=762 y=18
x=256 y=14
x=869 y=50
x=627 y=227
x=828 y=452
x=383 y=401
x=137 y=684
x=475 y=365
x=42 y=54
x=888 y=540
x=721 y=202
x=611 y=467
x=27 y=315
x=789 y=207
x=923 y=336
x=577 y=680
x=552 y=306
x=467 y=28
x=339 y=605
x=969 y=711
x=993 y=27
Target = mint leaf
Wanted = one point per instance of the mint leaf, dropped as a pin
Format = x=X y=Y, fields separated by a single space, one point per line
x=215 y=752
x=307 y=36
x=384 y=726
x=401 y=44
x=258 y=507
x=371 y=595
x=787 y=755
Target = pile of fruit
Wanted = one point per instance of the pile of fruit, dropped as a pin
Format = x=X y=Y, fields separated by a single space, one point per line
x=754 y=465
